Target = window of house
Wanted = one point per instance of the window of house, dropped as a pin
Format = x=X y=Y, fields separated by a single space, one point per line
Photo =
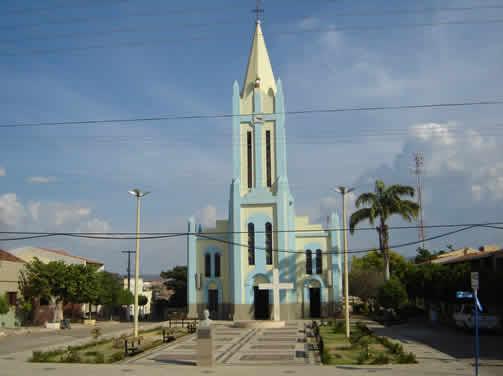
x=268 y=157
x=249 y=153
x=217 y=264
x=251 y=244
x=319 y=262
x=207 y=265
x=268 y=243
x=309 y=262
x=12 y=298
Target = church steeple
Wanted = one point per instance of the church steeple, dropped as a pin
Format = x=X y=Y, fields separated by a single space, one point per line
x=259 y=70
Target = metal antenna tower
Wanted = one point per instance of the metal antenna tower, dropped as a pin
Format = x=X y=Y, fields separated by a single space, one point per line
x=418 y=171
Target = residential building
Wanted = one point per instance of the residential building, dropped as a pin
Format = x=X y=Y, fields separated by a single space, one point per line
x=10 y=269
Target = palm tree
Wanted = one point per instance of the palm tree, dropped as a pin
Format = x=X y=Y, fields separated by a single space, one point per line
x=380 y=205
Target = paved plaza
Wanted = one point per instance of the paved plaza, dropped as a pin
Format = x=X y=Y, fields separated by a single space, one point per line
x=241 y=346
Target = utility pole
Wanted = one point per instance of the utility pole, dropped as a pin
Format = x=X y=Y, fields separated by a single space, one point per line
x=418 y=170
x=128 y=276
x=343 y=191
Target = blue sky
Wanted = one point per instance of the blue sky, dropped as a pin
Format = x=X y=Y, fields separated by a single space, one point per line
x=83 y=60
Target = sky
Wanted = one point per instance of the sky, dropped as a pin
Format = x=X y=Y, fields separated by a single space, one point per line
x=88 y=60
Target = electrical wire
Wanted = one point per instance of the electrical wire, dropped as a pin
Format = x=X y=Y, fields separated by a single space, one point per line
x=227 y=116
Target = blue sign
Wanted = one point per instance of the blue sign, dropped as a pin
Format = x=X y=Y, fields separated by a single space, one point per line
x=464 y=295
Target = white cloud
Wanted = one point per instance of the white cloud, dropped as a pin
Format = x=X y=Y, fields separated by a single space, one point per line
x=11 y=210
x=40 y=179
x=2 y=171
x=95 y=225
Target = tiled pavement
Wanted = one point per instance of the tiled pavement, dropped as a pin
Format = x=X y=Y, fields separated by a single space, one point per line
x=240 y=346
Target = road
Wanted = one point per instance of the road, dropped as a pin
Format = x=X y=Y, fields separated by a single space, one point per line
x=40 y=338
x=454 y=343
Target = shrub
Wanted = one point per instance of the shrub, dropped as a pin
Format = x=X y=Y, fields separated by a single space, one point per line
x=381 y=358
x=363 y=356
x=406 y=358
x=4 y=305
x=116 y=357
x=326 y=357
x=71 y=357
x=90 y=353
x=100 y=357
x=392 y=294
x=44 y=356
x=338 y=327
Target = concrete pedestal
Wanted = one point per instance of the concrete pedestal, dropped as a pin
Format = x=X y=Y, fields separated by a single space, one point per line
x=205 y=355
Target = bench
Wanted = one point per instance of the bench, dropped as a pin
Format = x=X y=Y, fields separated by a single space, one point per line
x=168 y=335
x=132 y=345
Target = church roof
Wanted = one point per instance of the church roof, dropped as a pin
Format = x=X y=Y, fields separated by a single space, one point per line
x=259 y=65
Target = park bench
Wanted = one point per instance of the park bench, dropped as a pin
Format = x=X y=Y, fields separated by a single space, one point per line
x=168 y=335
x=132 y=345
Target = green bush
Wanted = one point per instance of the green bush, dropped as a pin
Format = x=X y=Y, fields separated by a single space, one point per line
x=44 y=356
x=406 y=358
x=90 y=353
x=4 y=305
x=392 y=294
x=363 y=356
x=99 y=358
x=326 y=357
x=381 y=358
x=338 y=327
x=116 y=357
x=71 y=357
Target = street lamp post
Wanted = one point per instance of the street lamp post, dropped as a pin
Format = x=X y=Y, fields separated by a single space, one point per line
x=343 y=191
x=138 y=194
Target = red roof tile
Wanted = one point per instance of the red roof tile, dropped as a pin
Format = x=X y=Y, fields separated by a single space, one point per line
x=6 y=256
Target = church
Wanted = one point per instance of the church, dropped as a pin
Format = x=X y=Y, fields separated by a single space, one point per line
x=226 y=264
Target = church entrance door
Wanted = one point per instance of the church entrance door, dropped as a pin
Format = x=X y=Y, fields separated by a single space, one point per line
x=213 y=303
x=261 y=303
x=315 y=302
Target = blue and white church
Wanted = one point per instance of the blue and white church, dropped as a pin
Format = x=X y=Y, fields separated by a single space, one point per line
x=226 y=264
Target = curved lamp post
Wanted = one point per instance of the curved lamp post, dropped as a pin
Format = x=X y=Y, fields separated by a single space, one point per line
x=138 y=194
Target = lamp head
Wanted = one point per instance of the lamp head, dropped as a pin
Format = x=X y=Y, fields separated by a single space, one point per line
x=137 y=193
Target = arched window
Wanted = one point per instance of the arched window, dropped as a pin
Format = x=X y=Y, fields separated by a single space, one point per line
x=207 y=265
x=217 y=264
x=268 y=158
x=319 y=262
x=249 y=157
x=251 y=244
x=309 y=262
x=268 y=243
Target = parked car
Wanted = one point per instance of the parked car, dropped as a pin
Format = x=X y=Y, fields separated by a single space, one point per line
x=465 y=318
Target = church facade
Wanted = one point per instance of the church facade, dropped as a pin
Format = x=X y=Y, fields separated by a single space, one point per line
x=227 y=263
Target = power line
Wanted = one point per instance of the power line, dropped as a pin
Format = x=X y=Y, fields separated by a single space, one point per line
x=133 y=234
x=205 y=36
x=227 y=116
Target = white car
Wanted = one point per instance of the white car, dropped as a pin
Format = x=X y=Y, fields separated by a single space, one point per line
x=465 y=318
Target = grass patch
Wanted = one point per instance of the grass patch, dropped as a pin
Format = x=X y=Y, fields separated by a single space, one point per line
x=104 y=351
x=363 y=347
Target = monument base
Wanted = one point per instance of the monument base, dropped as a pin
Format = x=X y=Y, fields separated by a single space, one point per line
x=264 y=324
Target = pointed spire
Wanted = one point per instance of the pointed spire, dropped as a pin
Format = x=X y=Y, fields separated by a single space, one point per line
x=259 y=71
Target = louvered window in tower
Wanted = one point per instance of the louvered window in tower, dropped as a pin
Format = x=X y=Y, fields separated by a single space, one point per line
x=251 y=244
x=309 y=262
x=207 y=265
x=268 y=157
x=249 y=158
x=268 y=243
x=217 y=264
x=319 y=262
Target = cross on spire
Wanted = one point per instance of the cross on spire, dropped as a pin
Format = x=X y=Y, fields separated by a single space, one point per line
x=258 y=10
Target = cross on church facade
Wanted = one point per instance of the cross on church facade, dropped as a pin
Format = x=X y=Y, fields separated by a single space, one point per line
x=275 y=286
x=258 y=10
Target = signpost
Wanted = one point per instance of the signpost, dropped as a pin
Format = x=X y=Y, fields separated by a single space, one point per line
x=475 y=287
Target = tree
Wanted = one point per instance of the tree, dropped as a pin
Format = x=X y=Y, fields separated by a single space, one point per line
x=381 y=205
x=392 y=294
x=423 y=255
x=364 y=283
x=4 y=305
x=50 y=281
x=125 y=298
x=176 y=279
x=142 y=300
